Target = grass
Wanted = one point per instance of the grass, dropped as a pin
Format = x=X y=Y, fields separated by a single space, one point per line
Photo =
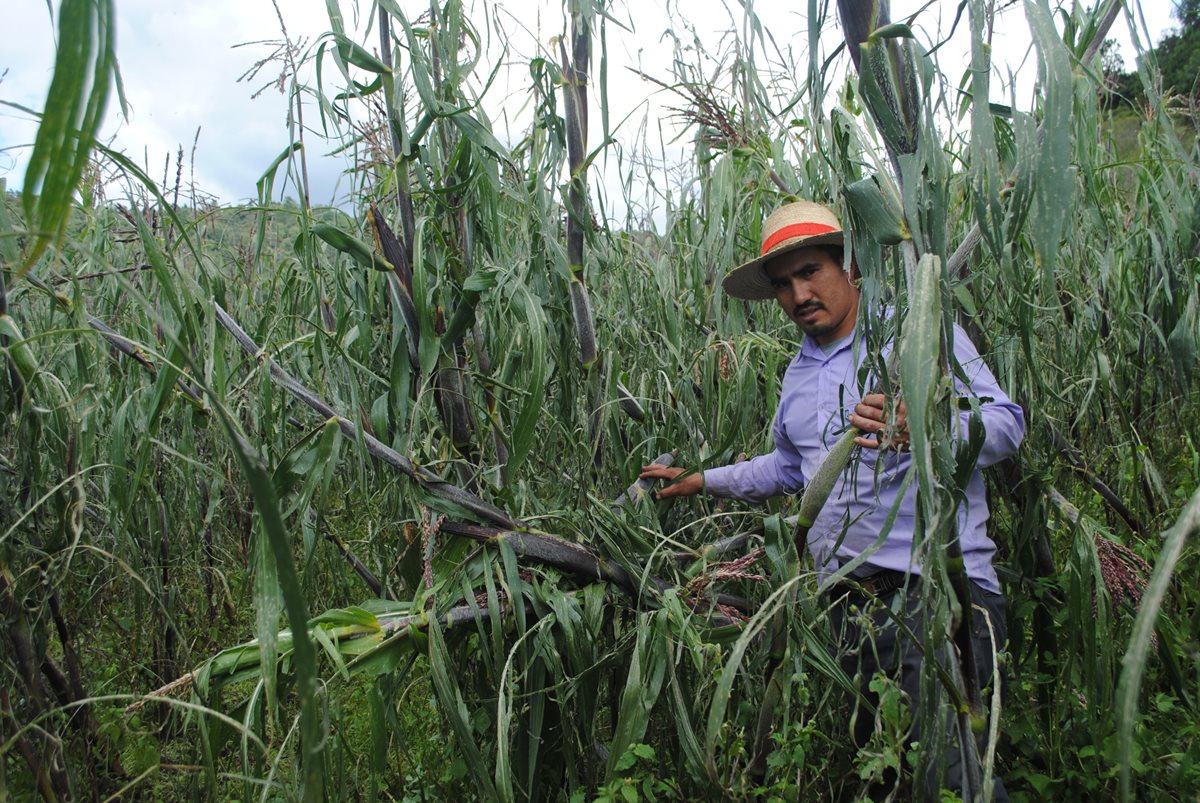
x=146 y=529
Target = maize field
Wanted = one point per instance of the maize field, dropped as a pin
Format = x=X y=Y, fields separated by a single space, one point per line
x=305 y=502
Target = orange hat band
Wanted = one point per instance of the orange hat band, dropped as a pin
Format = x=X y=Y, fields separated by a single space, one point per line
x=795 y=230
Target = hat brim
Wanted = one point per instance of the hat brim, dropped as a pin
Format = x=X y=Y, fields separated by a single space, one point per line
x=750 y=282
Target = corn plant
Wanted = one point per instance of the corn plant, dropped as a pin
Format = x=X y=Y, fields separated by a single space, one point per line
x=218 y=422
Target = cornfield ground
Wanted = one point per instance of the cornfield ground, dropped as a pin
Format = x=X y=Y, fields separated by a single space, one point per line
x=414 y=412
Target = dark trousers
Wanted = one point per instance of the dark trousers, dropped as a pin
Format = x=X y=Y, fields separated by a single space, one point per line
x=871 y=643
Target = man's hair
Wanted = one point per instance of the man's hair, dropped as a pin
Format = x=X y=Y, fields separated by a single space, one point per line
x=838 y=254
x=835 y=252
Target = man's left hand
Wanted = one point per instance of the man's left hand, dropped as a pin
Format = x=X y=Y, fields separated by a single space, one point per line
x=889 y=428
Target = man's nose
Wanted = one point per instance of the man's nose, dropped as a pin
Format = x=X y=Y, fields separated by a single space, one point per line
x=801 y=291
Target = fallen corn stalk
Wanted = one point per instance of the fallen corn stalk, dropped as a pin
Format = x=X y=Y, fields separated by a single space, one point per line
x=369 y=638
x=583 y=564
x=376 y=448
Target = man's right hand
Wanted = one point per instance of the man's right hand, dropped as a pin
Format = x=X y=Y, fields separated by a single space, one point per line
x=690 y=485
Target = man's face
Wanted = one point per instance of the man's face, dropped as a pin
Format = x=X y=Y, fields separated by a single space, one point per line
x=815 y=292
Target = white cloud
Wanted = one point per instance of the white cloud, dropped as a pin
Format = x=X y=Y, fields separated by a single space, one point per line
x=181 y=71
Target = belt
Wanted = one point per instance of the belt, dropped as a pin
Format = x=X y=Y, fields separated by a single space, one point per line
x=883 y=582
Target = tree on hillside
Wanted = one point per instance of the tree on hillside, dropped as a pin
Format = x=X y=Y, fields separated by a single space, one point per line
x=1120 y=88
x=1179 y=52
x=1177 y=55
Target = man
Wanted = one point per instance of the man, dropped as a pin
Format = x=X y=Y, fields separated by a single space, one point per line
x=801 y=267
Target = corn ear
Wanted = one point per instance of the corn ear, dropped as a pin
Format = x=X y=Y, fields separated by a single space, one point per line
x=888 y=84
x=818 y=489
x=641 y=487
x=879 y=212
x=18 y=349
x=464 y=315
x=859 y=19
x=581 y=305
x=348 y=244
x=887 y=70
x=389 y=245
x=629 y=405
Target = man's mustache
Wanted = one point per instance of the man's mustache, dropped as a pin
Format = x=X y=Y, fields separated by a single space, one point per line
x=809 y=307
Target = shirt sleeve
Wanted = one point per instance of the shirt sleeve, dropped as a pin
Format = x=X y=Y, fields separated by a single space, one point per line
x=760 y=477
x=1003 y=419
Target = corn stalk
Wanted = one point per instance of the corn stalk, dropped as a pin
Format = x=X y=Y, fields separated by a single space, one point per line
x=575 y=67
x=890 y=86
x=544 y=677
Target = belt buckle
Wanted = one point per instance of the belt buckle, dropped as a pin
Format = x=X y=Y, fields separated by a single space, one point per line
x=870 y=585
x=882 y=582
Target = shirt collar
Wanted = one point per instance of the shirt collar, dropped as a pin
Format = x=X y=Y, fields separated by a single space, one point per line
x=810 y=347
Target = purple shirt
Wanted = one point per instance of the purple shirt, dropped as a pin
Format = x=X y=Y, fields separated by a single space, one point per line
x=819 y=394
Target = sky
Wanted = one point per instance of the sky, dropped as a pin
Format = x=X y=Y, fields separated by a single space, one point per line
x=181 y=64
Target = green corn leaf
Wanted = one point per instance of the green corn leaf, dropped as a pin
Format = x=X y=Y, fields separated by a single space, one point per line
x=419 y=67
x=355 y=616
x=455 y=710
x=355 y=54
x=919 y=354
x=895 y=30
x=333 y=651
x=267 y=608
x=385 y=656
x=986 y=179
x=84 y=67
x=428 y=344
x=524 y=430
x=723 y=692
x=464 y=315
x=159 y=261
x=693 y=752
x=1054 y=192
x=405 y=315
x=266 y=192
x=643 y=683
x=168 y=209
x=275 y=560
x=380 y=736
x=480 y=136
x=1133 y=664
x=1182 y=343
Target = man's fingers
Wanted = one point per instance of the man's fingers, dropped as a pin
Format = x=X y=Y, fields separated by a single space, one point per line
x=871 y=408
x=657 y=471
x=878 y=433
x=890 y=427
x=864 y=410
x=898 y=442
x=866 y=424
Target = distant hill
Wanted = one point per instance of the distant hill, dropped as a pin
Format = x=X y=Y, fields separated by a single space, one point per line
x=1177 y=55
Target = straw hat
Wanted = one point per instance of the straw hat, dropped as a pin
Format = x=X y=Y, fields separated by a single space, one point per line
x=797 y=225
